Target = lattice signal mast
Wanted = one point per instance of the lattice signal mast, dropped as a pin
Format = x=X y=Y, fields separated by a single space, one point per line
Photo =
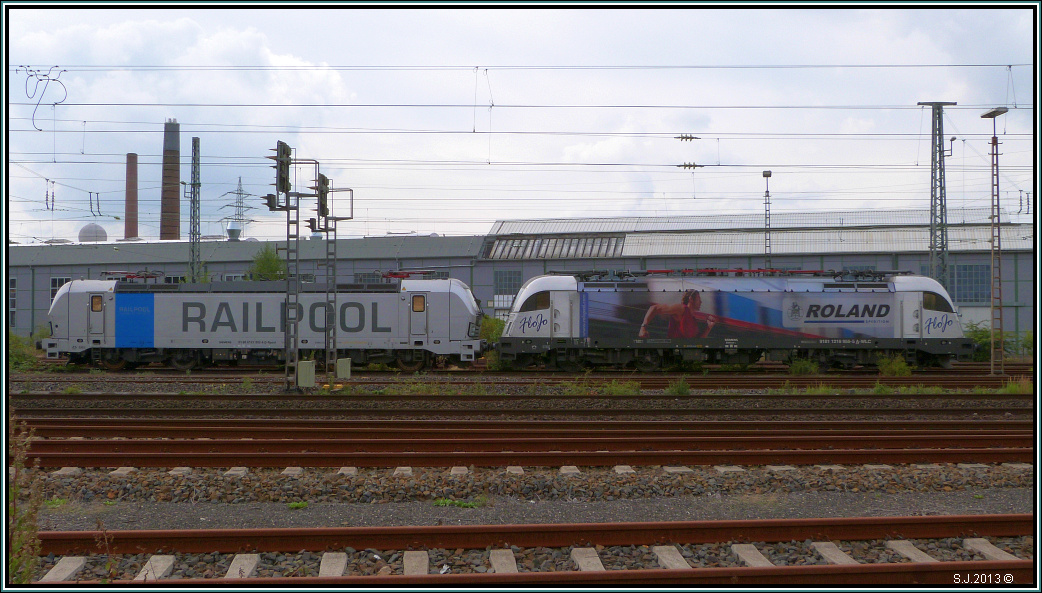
x=938 y=202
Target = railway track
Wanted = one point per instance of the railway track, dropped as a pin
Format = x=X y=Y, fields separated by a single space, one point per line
x=544 y=381
x=477 y=444
x=695 y=406
x=832 y=551
x=273 y=428
x=976 y=368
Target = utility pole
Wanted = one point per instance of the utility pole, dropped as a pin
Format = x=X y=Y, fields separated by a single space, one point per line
x=767 y=221
x=194 y=236
x=938 y=201
x=997 y=342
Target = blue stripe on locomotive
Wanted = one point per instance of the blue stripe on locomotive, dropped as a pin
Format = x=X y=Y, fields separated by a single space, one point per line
x=584 y=314
x=745 y=309
x=135 y=321
x=736 y=306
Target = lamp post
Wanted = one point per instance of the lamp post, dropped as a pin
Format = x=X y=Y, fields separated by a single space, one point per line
x=997 y=346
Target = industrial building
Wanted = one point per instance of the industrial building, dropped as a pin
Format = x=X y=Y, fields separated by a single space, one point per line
x=497 y=264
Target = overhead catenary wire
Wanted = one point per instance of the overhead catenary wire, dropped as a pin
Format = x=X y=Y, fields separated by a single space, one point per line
x=522 y=165
x=404 y=67
x=511 y=106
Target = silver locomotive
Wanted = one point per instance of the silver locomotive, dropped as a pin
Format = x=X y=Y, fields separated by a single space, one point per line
x=120 y=325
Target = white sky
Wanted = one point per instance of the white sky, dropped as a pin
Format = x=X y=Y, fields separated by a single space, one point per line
x=444 y=120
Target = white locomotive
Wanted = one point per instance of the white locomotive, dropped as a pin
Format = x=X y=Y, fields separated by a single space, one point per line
x=124 y=324
x=656 y=318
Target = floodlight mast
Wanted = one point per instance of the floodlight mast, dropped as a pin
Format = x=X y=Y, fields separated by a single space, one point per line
x=997 y=345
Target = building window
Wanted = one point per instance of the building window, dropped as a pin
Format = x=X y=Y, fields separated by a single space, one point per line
x=234 y=277
x=369 y=278
x=505 y=285
x=173 y=280
x=971 y=283
x=11 y=301
x=507 y=282
x=56 y=283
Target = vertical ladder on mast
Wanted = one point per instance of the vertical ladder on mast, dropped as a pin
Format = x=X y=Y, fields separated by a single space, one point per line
x=331 y=291
x=997 y=341
x=292 y=289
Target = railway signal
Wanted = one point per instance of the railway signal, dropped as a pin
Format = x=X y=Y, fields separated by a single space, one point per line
x=323 y=196
x=283 y=158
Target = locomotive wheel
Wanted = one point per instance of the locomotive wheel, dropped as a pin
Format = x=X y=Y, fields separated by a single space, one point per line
x=183 y=361
x=647 y=363
x=112 y=364
x=410 y=362
x=569 y=366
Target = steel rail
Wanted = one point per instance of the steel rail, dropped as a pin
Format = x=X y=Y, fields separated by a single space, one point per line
x=506 y=397
x=531 y=535
x=563 y=535
x=532 y=458
x=93 y=428
x=398 y=427
x=613 y=412
x=645 y=442
x=695 y=381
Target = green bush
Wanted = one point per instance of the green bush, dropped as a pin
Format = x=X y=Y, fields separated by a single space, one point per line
x=480 y=501
x=679 y=388
x=981 y=336
x=1017 y=386
x=492 y=361
x=491 y=328
x=24 y=501
x=21 y=352
x=1013 y=343
x=893 y=366
x=620 y=388
x=881 y=389
x=803 y=366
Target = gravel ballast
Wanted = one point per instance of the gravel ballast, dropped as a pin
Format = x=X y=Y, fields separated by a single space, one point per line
x=205 y=498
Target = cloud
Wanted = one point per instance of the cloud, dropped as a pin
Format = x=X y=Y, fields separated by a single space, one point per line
x=440 y=120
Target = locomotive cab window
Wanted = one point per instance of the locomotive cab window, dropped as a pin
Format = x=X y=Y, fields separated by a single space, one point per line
x=418 y=303
x=536 y=302
x=936 y=302
x=95 y=303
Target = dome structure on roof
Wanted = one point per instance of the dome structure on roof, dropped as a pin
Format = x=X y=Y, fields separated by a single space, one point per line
x=93 y=233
